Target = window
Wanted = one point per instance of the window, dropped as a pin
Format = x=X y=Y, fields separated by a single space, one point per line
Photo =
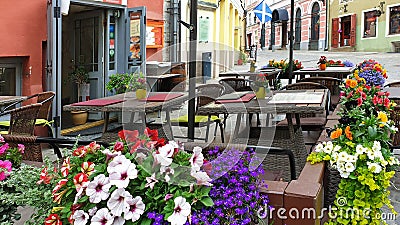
x=394 y=23
x=370 y=22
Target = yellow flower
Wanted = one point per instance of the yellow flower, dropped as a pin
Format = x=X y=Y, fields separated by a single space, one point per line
x=382 y=116
x=56 y=209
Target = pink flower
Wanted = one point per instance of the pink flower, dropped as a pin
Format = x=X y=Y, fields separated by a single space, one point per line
x=102 y=217
x=4 y=148
x=123 y=174
x=359 y=101
x=80 y=217
x=168 y=196
x=97 y=189
x=151 y=181
x=21 y=148
x=6 y=168
x=119 y=146
x=1 y=139
x=181 y=211
x=197 y=159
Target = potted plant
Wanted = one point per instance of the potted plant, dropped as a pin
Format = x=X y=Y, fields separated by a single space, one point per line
x=260 y=84
x=242 y=58
x=122 y=82
x=322 y=62
x=80 y=76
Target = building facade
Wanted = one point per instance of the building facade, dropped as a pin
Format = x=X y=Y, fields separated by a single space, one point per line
x=373 y=25
x=310 y=23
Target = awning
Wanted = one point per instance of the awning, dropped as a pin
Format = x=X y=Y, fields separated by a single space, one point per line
x=279 y=15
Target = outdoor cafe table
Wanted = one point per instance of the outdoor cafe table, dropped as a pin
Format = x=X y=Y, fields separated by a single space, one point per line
x=331 y=71
x=6 y=100
x=290 y=102
x=156 y=81
x=270 y=74
x=127 y=102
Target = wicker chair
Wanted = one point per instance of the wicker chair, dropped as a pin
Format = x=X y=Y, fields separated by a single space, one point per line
x=332 y=83
x=309 y=122
x=395 y=117
x=22 y=123
x=206 y=93
x=44 y=98
x=258 y=149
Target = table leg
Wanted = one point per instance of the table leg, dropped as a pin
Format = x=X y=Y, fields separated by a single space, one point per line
x=106 y=119
x=168 y=117
x=142 y=116
x=237 y=126
x=289 y=118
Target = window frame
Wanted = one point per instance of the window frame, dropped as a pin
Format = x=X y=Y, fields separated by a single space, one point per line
x=363 y=25
x=387 y=12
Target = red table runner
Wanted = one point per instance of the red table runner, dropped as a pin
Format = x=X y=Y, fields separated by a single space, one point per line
x=98 y=102
x=245 y=98
x=162 y=97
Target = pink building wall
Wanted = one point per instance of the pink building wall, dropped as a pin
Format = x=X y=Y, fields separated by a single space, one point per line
x=24 y=28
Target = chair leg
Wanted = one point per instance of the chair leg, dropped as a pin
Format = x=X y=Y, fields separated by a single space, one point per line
x=221 y=129
x=258 y=120
x=208 y=128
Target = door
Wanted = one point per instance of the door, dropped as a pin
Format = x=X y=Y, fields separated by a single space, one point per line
x=313 y=45
x=10 y=78
x=53 y=61
x=297 y=35
x=88 y=49
x=353 y=30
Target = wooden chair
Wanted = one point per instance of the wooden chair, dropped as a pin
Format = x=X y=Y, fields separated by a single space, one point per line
x=395 y=117
x=309 y=122
x=332 y=83
x=42 y=119
x=22 y=123
x=206 y=93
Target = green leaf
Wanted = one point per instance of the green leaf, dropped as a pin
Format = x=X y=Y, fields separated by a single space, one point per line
x=146 y=221
x=207 y=201
x=372 y=131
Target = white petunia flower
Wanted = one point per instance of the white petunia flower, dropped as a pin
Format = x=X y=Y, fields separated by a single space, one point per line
x=202 y=178
x=336 y=148
x=97 y=189
x=319 y=147
x=374 y=167
x=168 y=171
x=118 y=202
x=136 y=209
x=376 y=146
x=334 y=156
x=181 y=211
x=345 y=175
x=349 y=167
x=164 y=154
x=342 y=156
x=119 y=220
x=197 y=159
x=102 y=217
x=116 y=164
x=92 y=211
x=151 y=181
x=80 y=217
x=121 y=175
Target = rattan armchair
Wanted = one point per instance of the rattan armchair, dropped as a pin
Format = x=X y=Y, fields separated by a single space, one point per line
x=206 y=93
x=332 y=83
x=42 y=119
x=22 y=123
x=393 y=84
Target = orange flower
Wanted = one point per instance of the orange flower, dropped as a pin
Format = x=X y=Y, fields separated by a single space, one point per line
x=351 y=83
x=335 y=134
x=348 y=133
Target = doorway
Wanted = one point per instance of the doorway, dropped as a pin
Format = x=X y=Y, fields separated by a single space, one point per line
x=297 y=35
x=10 y=78
x=314 y=37
x=345 y=28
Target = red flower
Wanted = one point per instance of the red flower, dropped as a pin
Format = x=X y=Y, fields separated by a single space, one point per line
x=129 y=135
x=207 y=166
x=79 y=180
x=59 y=185
x=386 y=102
x=119 y=146
x=152 y=134
x=80 y=152
x=359 y=101
x=137 y=144
x=87 y=168
x=53 y=219
x=66 y=166
x=44 y=177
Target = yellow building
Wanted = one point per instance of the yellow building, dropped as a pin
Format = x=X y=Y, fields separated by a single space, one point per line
x=219 y=32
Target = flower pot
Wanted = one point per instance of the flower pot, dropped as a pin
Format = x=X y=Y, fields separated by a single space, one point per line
x=79 y=117
x=322 y=66
x=141 y=93
x=260 y=94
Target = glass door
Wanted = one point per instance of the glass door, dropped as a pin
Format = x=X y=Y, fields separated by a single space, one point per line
x=10 y=79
